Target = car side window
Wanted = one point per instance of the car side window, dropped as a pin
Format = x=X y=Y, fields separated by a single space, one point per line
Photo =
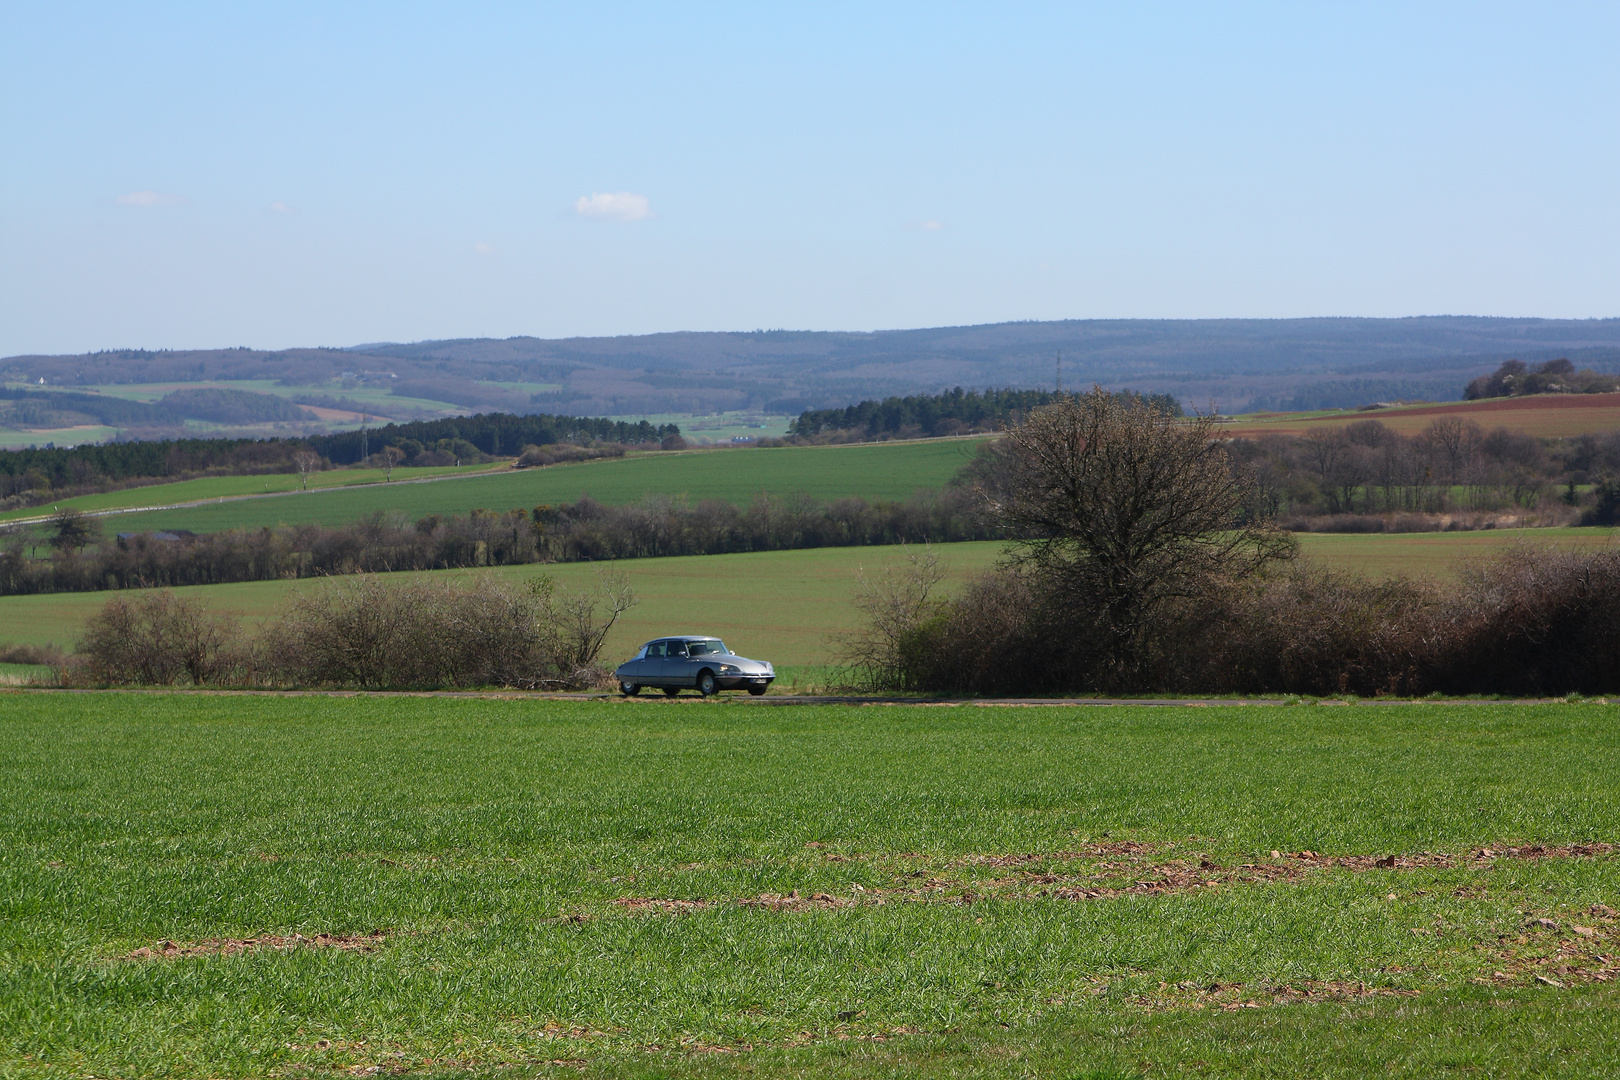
x=655 y=650
x=677 y=648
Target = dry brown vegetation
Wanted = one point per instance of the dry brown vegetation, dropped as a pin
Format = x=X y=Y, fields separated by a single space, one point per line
x=1140 y=565
x=362 y=631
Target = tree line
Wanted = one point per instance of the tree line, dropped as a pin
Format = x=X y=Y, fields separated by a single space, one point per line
x=953 y=412
x=1365 y=477
x=58 y=408
x=1138 y=565
x=584 y=531
x=1515 y=379
x=98 y=466
x=495 y=434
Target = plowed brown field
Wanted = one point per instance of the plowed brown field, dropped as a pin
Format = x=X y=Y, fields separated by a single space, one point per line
x=1542 y=415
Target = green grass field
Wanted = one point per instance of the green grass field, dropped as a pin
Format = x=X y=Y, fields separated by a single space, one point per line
x=374 y=395
x=230 y=487
x=647 y=888
x=1434 y=555
x=15 y=439
x=888 y=471
x=783 y=606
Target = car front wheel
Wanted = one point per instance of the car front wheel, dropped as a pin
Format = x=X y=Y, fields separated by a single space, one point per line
x=629 y=689
x=706 y=684
x=756 y=690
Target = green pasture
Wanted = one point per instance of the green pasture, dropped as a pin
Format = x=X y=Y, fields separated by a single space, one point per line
x=1435 y=555
x=500 y=856
x=784 y=606
x=17 y=439
x=368 y=393
x=232 y=487
x=719 y=427
x=886 y=471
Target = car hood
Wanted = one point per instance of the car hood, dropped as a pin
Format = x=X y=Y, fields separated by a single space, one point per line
x=751 y=666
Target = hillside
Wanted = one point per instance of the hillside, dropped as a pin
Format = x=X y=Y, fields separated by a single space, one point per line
x=1542 y=415
x=823 y=473
x=789 y=606
x=1236 y=364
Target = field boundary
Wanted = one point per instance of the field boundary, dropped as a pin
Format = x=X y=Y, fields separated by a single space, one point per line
x=219 y=499
x=802 y=699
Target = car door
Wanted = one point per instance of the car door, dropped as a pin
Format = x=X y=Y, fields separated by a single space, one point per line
x=650 y=667
x=635 y=670
x=678 y=668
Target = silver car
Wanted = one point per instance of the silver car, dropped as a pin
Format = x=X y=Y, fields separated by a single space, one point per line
x=703 y=664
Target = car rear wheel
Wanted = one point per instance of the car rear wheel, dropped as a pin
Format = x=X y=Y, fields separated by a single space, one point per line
x=706 y=684
x=629 y=689
x=671 y=691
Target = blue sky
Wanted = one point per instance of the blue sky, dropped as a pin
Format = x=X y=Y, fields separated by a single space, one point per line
x=177 y=175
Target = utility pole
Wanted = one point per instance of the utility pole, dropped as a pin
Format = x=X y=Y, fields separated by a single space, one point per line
x=364 y=446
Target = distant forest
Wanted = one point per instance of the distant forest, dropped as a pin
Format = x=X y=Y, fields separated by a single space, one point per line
x=56 y=408
x=1235 y=365
x=954 y=412
x=89 y=466
x=494 y=434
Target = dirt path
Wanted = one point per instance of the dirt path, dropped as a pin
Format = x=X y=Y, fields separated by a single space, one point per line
x=692 y=700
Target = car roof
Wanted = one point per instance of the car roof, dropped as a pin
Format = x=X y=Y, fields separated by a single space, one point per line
x=683 y=637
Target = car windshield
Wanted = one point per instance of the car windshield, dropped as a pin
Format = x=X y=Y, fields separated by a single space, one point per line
x=701 y=648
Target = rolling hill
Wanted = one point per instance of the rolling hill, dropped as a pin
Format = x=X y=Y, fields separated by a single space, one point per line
x=1235 y=364
x=880 y=471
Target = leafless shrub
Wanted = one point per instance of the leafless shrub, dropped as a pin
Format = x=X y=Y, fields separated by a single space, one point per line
x=558 y=453
x=155 y=638
x=897 y=602
x=579 y=622
x=30 y=654
x=1534 y=620
x=993 y=639
x=367 y=631
x=1311 y=630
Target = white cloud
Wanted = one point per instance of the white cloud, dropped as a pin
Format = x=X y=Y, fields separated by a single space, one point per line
x=282 y=208
x=151 y=198
x=484 y=249
x=615 y=206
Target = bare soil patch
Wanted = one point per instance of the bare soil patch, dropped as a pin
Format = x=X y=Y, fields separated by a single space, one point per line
x=649 y=903
x=1116 y=869
x=1558 y=952
x=166 y=949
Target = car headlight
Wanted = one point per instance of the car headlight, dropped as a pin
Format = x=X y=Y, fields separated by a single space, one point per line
x=729 y=669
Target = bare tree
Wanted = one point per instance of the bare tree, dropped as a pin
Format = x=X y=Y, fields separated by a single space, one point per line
x=306 y=462
x=392 y=455
x=73 y=530
x=896 y=603
x=1455 y=442
x=580 y=620
x=1123 y=507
